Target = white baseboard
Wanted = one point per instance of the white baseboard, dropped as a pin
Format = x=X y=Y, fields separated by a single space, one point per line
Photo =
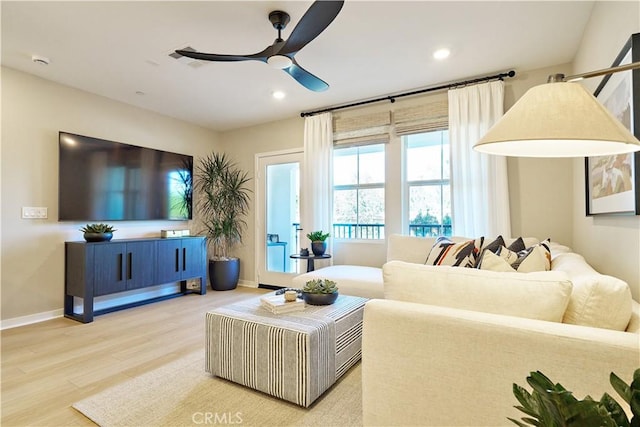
x=248 y=283
x=32 y=318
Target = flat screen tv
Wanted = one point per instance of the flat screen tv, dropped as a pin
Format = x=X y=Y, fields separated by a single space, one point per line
x=103 y=180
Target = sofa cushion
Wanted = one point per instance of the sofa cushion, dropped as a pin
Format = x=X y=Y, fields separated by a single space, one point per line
x=401 y=247
x=356 y=280
x=634 y=322
x=539 y=295
x=597 y=300
x=446 y=252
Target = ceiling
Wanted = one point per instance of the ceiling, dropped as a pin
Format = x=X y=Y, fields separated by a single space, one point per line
x=120 y=50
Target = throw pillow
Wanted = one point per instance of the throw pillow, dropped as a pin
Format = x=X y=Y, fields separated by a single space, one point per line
x=493 y=262
x=492 y=247
x=498 y=260
x=535 y=258
x=517 y=245
x=446 y=252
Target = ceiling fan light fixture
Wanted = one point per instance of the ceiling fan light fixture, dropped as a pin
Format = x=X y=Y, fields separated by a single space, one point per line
x=280 y=62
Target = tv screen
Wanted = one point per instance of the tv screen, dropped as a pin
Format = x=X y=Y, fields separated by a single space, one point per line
x=103 y=180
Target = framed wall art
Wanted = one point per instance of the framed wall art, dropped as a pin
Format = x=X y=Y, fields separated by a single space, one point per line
x=613 y=182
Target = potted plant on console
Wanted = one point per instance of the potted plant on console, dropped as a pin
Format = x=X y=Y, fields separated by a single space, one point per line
x=98 y=232
x=318 y=242
x=320 y=292
x=222 y=205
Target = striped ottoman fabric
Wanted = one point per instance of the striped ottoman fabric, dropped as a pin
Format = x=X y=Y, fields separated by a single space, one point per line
x=293 y=356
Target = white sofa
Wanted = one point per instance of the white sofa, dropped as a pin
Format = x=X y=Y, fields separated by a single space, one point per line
x=446 y=344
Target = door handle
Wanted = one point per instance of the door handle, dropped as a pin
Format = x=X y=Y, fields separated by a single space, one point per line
x=120 y=267
x=177 y=260
x=129 y=267
x=184 y=259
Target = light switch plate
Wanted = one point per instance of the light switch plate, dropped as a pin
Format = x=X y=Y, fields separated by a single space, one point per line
x=34 y=212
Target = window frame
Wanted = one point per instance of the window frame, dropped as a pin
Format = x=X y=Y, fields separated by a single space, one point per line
x=408 y=184
x=369 y=186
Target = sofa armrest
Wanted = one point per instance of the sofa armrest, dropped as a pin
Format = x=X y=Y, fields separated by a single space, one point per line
x=428 y=365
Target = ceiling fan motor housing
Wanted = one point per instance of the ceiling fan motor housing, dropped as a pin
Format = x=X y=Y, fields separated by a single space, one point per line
x=279 y=19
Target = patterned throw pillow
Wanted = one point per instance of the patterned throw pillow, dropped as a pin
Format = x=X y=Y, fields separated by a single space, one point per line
x=535 y=258
x=446 y=252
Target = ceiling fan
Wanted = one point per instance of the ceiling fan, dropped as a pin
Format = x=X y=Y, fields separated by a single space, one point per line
x=281 y=53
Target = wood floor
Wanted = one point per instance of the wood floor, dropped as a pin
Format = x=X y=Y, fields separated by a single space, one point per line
x=48 y=366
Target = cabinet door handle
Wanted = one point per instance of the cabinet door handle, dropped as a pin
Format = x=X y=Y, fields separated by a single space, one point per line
x=129 y=266
x=120 y=267
x=177 y=259
x=184 y=259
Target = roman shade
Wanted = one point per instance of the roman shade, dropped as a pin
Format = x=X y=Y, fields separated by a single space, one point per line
x=426 y=117
x=377 y=127
x=365 y=129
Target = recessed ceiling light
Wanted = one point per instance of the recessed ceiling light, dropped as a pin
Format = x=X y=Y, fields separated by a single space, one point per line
x=278 y=94
x=441 y=53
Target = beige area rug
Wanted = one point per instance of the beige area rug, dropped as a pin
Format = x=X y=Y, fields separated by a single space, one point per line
x=181 y=393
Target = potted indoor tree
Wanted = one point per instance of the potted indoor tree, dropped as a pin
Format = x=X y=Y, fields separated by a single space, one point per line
x=222 y=204
x=318 y=242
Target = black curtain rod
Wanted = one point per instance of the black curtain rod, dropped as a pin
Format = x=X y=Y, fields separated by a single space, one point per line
x=392 y=98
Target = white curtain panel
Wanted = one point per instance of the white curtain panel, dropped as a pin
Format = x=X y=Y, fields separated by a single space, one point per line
x=317 y=176
x=480 y=191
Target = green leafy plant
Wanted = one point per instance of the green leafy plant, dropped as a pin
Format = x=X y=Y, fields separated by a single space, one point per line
x=222 y=203
x=551 y=405
x=97 y=228
x=320 y=286
x=317 y=236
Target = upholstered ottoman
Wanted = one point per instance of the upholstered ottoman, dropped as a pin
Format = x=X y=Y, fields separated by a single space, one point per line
x=294 y=356
x=356 y=280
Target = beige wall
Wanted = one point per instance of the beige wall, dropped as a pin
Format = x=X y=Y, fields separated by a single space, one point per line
x=540 y=190
x=610 y=243
x=33 y=111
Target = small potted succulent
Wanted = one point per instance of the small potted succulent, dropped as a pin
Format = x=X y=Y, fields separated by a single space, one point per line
x=320 y=292
x=98 y=232
x=318 y=242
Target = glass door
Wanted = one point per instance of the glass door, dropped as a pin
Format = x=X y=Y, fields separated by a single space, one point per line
x=278 y=217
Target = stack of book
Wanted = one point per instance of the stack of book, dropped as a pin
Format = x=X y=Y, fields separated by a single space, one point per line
x=277 y=305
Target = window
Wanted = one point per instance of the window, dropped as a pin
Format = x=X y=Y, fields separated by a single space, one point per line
x=428 y=190
x=358 y=192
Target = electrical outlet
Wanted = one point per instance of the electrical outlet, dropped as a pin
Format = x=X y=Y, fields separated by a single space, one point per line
x=34 y=213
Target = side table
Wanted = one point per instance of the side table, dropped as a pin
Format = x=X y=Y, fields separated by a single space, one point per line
x=310 y=259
